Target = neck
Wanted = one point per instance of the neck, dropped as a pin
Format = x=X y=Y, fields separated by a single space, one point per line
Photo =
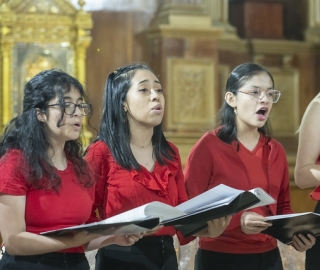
x=141 y=146
x=141 y=138
x=58 y=158
x=249 y=138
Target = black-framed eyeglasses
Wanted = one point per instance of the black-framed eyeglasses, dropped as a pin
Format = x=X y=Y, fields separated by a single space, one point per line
x=70 y=108
x=258 y=94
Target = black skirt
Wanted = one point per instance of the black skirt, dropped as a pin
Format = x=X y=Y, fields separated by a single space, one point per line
x=48 y=261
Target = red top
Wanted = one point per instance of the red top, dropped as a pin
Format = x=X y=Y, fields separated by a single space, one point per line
x=315 y=194
x=212 y=162
x=45 y=209
x=119 y=190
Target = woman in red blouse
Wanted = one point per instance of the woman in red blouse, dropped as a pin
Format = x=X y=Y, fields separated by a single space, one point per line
x=240 y=153
x=44 y=182
x=135 y=165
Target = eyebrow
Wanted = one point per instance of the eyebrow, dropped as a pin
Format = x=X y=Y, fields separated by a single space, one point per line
x=80 y=98
x=156 y=81
x=270 y=88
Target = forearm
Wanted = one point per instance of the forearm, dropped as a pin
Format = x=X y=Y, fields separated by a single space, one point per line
x=307 y=176
x=26 y=243
x=99 y=242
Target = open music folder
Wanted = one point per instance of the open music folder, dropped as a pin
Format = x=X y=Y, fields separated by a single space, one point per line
x=217 y=202
x=189 y=217
x=285 y=226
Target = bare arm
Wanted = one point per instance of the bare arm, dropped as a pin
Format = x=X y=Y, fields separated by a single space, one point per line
x=307 y=172
x=121 y=240
x=20 y=242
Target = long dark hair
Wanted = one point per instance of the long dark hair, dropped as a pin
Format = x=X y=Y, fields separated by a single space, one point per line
x=26 y=133
x=114 y=126
x=226 y=115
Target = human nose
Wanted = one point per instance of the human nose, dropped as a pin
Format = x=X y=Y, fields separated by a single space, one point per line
x=154 y=95
x=77 y=110
x=264 y=97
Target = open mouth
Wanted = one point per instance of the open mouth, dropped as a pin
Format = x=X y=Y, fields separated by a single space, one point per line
x=157 y=108
x=262 y=112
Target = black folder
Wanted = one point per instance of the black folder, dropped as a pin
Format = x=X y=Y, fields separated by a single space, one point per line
x=285 y=226
x=195 y=222
x=135 y=226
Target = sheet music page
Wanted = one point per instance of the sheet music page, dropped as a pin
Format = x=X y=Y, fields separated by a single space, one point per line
x=215 y=194
x=163 y=211
x=263 y=196
x=290 y=215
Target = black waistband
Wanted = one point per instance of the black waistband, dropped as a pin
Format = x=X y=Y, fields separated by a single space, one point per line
x=155 y=239
x=53 y=255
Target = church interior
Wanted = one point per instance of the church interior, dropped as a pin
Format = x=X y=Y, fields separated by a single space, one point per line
x=192 y=45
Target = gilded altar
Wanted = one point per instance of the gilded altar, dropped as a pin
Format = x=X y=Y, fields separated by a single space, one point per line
x=37 y=35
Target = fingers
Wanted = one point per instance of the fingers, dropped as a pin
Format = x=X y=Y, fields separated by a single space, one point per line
x=132 y=238
x=252 y=223
x=217 y=226
x=220 y=222
x=303 y=243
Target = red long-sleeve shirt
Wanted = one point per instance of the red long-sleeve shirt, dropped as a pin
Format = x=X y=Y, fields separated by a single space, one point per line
x=212 y=162
x=119 y=190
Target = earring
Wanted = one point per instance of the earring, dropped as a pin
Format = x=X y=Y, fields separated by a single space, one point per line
x=235 y=111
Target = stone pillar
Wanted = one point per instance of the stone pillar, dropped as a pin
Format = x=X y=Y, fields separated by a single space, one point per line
x=6 y=44
x=312 y=34
x=183 y=47
x=219 y=13
x=83 y=22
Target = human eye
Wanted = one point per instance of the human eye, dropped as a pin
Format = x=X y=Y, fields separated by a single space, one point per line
x=143 y=90
x=160 y=91
x=270 y=93
x=68 y=104
x=254 y=92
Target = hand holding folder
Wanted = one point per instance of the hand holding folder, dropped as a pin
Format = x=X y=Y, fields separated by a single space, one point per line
x=285 y=226
x=189 y=217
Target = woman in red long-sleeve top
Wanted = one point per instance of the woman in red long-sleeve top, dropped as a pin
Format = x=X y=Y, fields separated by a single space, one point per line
x=134 y=165
x=240 y=154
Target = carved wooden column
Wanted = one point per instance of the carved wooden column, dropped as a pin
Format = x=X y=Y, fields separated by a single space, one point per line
x=219 y=13
x=312 y=34
x=184 y=53
x=6 y=43
x=83 y=24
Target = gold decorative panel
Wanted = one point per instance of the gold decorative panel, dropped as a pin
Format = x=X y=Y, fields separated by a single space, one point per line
x=190 y=95
x=284 y=116
x=28 y=59
x=37 y=35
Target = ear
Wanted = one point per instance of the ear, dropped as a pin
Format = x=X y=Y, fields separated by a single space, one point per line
x=125 y=106
x=41 y=116
x=230 y=98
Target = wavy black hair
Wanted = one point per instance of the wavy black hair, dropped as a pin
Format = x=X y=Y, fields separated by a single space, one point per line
x=226 y=116
x=26 y=133
x=114 y=128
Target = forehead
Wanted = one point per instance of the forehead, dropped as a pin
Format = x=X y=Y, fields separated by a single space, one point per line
x=73 y=93
x=259 y=80
x=142 y=75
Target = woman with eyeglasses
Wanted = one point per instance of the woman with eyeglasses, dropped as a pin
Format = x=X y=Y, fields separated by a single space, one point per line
x=44 y=182
x=307 y=169
x=240 y=153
